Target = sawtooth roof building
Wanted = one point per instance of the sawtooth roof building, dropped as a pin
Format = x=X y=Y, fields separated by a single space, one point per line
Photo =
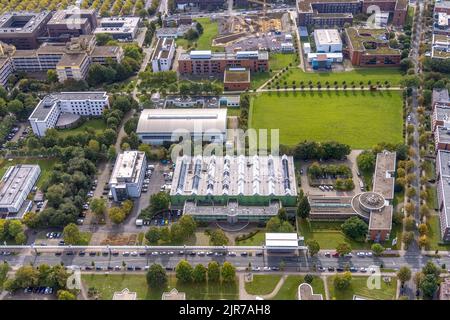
x=233 y=188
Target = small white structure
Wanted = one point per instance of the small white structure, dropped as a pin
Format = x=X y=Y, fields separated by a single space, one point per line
x=128 y=175
x=48 y=110
x=282 y=241
x=306 y=47
x=125 y=294
x=15 y=186
x=162 y=56
x=327 y=40
x=334 y=56
x=173 y=295
x=120 y=28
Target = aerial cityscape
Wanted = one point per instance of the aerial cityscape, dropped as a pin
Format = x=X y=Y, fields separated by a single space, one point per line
x=225 y=150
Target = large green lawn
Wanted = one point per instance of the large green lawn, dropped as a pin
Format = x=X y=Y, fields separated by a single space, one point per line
x=360 y=119
x=392 y=75
x=289 y=290
x=262 y=284
x=257 y=240
x=258 y=79
x=278 y=61
x=204 y=42
x=329 y=235
x=359 y=287
x=97 y=124
x=46 y=166
x=108 y=284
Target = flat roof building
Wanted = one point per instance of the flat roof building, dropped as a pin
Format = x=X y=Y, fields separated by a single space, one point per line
x=120 y=28
x=158 y=126
x=49 y=109
x=442 y=136
x=236 y=79
x=72 y=22
x=233 y=188
x=128 y=175
x=443 y=192
x=207 y=62
x=163 y=55
x=327 y=40
x=15 y=186
x=22 y=29
x=370 y=47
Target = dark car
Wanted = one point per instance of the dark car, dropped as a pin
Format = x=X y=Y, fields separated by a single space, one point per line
x=105 y=253
x=330 y=269
x=169 y=268
x=88 y=268
x=339 y=269
x=110 y=268
x=137 y=268
x=58 y=253
x=353 y=269
x=69 y=253
x=130 y=268
x=81 y=253
x=142 y=254
x=192 y=253
x=275 y=269
x=180 y=253
x=115 y=253
x=259 y=254
x=92 y=254
x=98 y=268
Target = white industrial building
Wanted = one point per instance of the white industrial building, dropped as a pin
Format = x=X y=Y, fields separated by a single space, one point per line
x=120 y=28
x=15 y=186
x=48 y=111
x=327 y=40
x=163 y=54
x=157 y=126
x=128 y=175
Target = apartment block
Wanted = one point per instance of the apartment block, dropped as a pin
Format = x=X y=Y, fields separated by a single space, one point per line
x=163 y=55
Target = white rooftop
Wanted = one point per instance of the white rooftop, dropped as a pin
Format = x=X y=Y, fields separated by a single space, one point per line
x=327 y=36
x=282 y=240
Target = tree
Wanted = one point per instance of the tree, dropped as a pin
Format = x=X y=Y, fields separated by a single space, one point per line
x=408 y=238
x=26 y=276
x=228 y=272
x=153 y=235
x=156 y=276
x=184 y=271
x=15 y=106
x=429 y=285
x=116 y=215
x=72 y=234
x=431 y=268
x=366 y=161
x=303 y=208
x=218 y=238
x=98 y=206
x=276 y=225
x=20 y=238
x=159 y=201
x=52 y=76
x=410 y=81
x=309 y=278
x=404 y=274
x=112 y=153
x=355 y=228
x=213 y=271
x=342 y=281
x=199 y=273
x=343 y=248
x=424 y=242
x=66 y=295
x=282 y=214
x=313 y=247
x=377 y=249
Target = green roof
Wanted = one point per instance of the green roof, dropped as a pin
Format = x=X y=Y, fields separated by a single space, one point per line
x=371 y=41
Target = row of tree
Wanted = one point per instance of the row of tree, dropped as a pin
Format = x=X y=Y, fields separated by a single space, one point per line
x=157 y=277
x=178 y=232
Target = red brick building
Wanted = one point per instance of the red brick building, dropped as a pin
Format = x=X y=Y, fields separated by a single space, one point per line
x=236 y=79
x=208 y=63
x=370 y=48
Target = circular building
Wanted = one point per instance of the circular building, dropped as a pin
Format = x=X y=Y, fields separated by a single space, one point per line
x=367 y=202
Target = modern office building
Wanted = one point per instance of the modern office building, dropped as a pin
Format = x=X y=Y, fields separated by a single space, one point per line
x=375 y=207
x=339 y=12
x=163 y=55
x=73 y=66
x=158 y=126
x=443 y=192
x=176 y=20
x=440 y=97
x=72 y=22
x=233 y=188
x=327 y=40
x=22 y=29
x=54 y=107
x=207 y=62
x=128 y=175
x=370 y=48
x=15 y=186
x=120 y=28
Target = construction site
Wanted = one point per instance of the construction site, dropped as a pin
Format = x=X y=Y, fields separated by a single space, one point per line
x=266 y=31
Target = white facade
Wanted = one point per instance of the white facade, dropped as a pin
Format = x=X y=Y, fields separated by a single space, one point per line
x=327 y=40
x=128 y=175
x=47 y=112
x=163 y=55
x=16 y=184
x=120 y=28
